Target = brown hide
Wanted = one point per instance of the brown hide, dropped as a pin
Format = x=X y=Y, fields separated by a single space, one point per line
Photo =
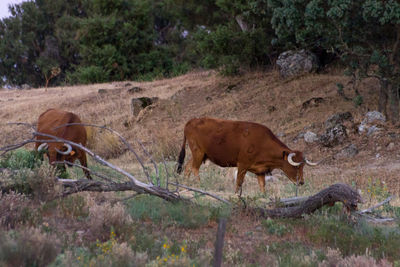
x=51 y=119
x=246 y=145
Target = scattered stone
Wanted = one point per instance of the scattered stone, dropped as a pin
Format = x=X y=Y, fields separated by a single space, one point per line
x=231 y=87
x=271 y=109
x=377 y=155
x=334 y=136
x=134 y=89
x=208 y=98
x=373 y=130
x=373 y=117
x=127 y=84
x=281 y=134
x=293 y=63
x=338 y=118
x=26 y=87
x=137 y=104
x=102 y=91
x=348 y=152
x=310 y=137
x=312 y=102
x=390 y=146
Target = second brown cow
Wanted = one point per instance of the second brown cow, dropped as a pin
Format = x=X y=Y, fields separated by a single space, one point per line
x=246 y=145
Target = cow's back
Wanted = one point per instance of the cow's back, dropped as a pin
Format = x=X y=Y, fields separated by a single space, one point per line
x=224 y=142
x=52 y=118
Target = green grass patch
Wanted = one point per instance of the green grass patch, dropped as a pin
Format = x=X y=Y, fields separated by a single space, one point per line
x=335 y=230
x=159 y=211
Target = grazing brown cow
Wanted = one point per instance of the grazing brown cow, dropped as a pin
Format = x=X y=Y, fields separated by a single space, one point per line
x=246 y=145
x=48 y=123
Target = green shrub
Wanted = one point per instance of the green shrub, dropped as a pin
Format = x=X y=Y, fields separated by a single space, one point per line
x=87 y=75
x=353 y=238
x=20 y=159
x=275 y=227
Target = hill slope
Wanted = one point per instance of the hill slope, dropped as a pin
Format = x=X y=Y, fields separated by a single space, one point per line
x=261 y=97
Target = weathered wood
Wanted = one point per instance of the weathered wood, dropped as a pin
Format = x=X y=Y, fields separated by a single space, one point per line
x=328 y=196
x=219 y=243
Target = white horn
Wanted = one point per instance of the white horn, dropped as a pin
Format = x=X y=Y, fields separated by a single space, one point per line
x=289 y=159
x=69 y=149
x=311 y=163
x=42 y=146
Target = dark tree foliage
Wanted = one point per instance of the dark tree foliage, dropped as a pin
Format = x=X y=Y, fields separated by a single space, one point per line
x=105 y=40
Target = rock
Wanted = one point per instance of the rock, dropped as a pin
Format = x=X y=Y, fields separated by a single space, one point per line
x=348 y=152
x=231 y=87
x=102 y=91
x=373 y=117
x=293 y=63
x=310 y=137
x=26 y=87
x=338 y=118
x=312 y=102
x=334 y=136
x=137 y=104
x=280 y=134
x=271 y=109
x=390 y=146
x=134 y=89
x=373 y=130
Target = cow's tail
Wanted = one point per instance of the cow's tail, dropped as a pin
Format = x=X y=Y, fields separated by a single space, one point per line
x=182 y=154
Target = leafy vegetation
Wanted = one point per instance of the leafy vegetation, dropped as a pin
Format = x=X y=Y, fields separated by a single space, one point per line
x=108 y=40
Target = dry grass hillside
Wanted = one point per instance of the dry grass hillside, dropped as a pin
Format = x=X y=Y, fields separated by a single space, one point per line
x=261 y=97
x=101 y=229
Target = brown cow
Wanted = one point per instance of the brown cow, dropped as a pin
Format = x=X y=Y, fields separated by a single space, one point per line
x=48 y=124
x=246 y=145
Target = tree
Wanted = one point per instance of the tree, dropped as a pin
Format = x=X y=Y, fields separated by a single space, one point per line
x=364 y=34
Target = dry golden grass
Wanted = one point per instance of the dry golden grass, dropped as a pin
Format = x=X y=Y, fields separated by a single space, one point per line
x=256 y=96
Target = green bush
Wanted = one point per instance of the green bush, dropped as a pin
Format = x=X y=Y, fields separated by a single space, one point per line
x=87 y=75
x=20 y=159
x=350 y=238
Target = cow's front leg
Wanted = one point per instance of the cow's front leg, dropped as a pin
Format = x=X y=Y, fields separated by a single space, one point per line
x=83 y=161
x=239 y=180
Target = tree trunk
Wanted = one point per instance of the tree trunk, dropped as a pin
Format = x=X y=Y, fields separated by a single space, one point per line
x=393 y=103
x=383 y=96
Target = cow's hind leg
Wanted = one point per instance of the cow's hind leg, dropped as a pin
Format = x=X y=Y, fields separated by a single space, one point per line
x=188 y=168
x=261 y=182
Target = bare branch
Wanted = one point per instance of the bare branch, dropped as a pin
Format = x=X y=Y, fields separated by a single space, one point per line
x=369 y=210
x=84 y=168
x=201 y=192
x=123 y=140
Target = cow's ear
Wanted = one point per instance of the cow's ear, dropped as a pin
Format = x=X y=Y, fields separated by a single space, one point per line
x=285 y=155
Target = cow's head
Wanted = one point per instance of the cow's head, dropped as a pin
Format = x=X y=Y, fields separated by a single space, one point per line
x=294 y=162
x=58 y=152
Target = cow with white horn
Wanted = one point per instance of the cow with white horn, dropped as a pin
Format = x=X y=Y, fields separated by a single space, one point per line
x=248 y=146
x=55 y=122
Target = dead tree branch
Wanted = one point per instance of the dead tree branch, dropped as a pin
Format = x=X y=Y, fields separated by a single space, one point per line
x=328 y=196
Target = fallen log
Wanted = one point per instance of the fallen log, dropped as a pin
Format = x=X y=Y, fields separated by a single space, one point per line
x=328 y=196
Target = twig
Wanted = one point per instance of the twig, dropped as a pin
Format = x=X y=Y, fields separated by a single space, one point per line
x=369 y=210
x=85 y=168
x=201 y=191
x=123 y=140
